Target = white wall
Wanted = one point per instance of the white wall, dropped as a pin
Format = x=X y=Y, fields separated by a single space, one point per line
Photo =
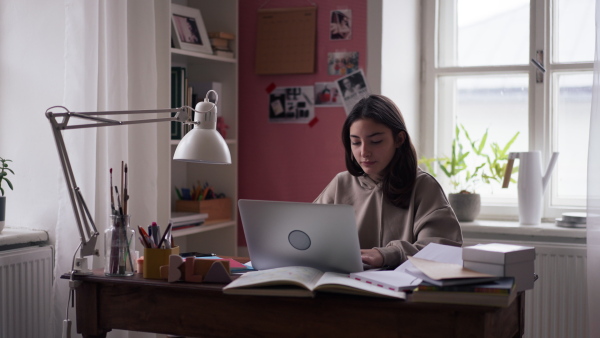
x=31 y=80
x=400 y=60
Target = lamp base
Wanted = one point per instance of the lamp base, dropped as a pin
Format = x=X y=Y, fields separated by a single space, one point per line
x=81 y=267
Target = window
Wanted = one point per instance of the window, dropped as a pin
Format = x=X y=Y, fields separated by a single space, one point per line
x=478 y=73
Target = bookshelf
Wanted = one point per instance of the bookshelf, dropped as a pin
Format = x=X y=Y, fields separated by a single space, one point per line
x=214 y=236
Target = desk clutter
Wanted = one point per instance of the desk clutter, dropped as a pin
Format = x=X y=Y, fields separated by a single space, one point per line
x=168 y=264
x=483 y=274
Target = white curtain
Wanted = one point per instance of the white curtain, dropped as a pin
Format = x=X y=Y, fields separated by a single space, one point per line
x=110 y=64
x=593 y=200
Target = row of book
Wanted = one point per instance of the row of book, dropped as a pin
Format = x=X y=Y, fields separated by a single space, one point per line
x=188 y=93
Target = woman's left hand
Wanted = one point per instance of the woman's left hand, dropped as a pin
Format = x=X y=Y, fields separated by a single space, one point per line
x=371 y=257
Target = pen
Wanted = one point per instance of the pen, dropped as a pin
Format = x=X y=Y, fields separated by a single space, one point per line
x=155 y=232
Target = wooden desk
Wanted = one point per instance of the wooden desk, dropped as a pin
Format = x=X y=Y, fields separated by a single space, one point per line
x=202 y=310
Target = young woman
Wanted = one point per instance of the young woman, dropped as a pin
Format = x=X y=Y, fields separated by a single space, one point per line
x=399 y=208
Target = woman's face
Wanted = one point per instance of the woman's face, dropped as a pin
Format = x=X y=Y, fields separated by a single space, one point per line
x=373 y=146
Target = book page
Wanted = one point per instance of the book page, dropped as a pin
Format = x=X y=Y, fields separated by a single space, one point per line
x=342 y=283
x=293 y=275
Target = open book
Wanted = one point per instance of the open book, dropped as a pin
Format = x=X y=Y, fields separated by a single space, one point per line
x=301 y=281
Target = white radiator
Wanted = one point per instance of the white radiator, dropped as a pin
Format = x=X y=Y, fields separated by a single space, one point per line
x=26 y=292
x=557 y=305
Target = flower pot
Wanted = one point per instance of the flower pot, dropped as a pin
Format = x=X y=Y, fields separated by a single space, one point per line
x=2 y=211
x=466 y=206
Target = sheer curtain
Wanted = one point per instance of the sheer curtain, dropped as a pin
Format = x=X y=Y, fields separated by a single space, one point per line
x=111 y=63
x=593 y=201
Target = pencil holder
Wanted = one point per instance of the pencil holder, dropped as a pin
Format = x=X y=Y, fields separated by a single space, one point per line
x=119 y=247
x=155 y=258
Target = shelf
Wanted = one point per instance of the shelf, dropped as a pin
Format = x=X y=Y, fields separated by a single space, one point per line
x=208 y=226
x=184 y=53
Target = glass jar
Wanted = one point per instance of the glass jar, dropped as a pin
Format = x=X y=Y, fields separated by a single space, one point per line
x=119 y=247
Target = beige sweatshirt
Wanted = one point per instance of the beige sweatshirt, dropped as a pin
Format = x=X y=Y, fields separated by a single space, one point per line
x=395 y=232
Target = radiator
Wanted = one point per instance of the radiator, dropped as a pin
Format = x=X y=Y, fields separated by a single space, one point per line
x=557 y=305
x=26 y=292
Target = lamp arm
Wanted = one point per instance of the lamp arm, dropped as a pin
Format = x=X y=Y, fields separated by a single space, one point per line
x=85 y=223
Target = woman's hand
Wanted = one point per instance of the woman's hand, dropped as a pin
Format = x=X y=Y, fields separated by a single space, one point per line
x=371 y=257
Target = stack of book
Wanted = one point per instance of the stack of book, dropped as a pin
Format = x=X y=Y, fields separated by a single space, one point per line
x=221 y=43
x=499 y=293
x=500 y=259
x=183 y=220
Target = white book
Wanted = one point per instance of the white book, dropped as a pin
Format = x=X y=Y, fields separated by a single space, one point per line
x=183 y=218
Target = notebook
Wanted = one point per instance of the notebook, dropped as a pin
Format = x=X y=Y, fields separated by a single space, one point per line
x=322 y=236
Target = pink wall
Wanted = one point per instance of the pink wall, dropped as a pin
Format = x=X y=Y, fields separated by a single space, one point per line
x=291 y=162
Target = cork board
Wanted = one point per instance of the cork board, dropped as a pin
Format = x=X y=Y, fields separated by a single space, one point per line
x=286 y=41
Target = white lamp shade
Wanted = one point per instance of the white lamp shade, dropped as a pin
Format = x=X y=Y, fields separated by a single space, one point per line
x=203 y=146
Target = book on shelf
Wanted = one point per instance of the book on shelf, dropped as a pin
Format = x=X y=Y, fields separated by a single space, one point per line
x=184 y=220
x=499 y=293
x=300 y=281
x=179 y=217
x=178 y=92
x=219 y=43
x=221 y=35
x=224 y=53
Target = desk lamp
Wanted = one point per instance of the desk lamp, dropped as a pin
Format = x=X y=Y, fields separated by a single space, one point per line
x=202 y=144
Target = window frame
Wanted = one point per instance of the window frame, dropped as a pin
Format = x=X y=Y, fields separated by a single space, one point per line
x=542 y=129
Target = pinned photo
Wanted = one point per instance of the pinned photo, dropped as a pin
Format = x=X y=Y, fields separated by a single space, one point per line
x=352 y=87
x=340 y=27
x=327 y=94
x=292 y=104
x=342 y=63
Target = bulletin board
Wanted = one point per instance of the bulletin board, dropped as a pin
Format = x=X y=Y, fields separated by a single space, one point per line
x=286 y=41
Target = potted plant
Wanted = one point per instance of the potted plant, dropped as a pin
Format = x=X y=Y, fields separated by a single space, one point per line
x=465 y=175
x=4 y=170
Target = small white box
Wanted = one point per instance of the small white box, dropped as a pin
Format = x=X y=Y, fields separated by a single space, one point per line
x=502 y=260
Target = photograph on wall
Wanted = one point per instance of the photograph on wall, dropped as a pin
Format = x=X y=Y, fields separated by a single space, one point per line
x=342 y=63
x=340 y=27
x=292 y=104
x=352 y=87
x=327 y=94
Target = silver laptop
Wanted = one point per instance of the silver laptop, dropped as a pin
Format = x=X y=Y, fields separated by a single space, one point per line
x=322 y=236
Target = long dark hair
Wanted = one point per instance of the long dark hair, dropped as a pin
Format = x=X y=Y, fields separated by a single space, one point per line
x=400 y=175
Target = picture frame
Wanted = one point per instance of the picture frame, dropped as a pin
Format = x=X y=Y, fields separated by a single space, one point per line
x=188 y=31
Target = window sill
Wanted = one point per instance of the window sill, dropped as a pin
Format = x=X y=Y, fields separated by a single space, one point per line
x=510 y=230
x=14 y=238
